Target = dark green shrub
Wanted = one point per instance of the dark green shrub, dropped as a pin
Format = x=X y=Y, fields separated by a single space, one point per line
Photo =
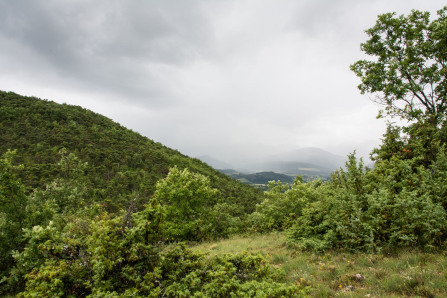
x=283 y=205
x=192 y=208
x=109 y=257
x=12 y=213
x=394 y=205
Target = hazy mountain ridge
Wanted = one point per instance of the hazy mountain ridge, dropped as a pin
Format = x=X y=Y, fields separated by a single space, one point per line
x=312 y=155
x=309 y=162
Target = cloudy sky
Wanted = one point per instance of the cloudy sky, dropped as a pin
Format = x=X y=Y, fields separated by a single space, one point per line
x=237 y=79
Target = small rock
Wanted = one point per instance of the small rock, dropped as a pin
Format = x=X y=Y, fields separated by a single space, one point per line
x=358 y=277
x=348 y=288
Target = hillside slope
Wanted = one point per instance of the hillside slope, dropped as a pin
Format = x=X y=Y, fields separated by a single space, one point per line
x=122 y=164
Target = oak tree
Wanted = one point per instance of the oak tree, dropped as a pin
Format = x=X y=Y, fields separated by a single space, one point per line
x=408 y=71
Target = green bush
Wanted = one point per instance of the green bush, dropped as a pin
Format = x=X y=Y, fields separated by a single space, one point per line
x=190 y=273
x=78 y=256
x=394 y=205
x=109 y=256
x=192 y=208
x=283 y=205
x=12 y=212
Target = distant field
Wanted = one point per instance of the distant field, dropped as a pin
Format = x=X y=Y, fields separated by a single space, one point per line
x=404 y=273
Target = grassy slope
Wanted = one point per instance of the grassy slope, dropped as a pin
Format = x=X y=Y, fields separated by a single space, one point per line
x=122 y=164
x=407 y=273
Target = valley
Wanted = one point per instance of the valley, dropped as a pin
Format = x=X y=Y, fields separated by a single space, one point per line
x=309 y=163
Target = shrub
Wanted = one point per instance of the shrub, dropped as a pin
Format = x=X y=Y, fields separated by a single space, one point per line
x=192 y=208
x=104 y=257
x=394 y=205
x=283 y=205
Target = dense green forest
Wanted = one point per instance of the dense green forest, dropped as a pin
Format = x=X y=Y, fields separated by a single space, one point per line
x=122 y=166
x=90 y=208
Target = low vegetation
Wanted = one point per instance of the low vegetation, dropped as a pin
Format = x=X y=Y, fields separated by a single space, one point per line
x=403 y=272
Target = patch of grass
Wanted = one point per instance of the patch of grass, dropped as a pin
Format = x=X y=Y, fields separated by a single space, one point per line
x=335 y=273
x=264 y=243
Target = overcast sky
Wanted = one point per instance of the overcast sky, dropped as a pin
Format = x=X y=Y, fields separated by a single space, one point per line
x=236 y=80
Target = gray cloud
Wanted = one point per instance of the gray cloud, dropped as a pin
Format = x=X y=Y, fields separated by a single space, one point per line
x=124 y=46
x=232 y=79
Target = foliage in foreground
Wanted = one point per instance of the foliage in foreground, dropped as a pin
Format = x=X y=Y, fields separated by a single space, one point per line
x=66 y=246
x=393 y=205
x=407 y=74
x=397 y=204
x=79 y=257
x=193 y=209
x=402 y=201
x=12 y=215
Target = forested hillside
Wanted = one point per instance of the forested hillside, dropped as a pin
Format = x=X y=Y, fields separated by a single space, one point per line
x=80 y=193
x=123 y=165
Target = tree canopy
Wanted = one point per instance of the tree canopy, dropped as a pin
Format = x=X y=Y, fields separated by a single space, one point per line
x=408 y=72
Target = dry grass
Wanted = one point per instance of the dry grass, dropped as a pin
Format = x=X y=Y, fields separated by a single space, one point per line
x=405 y=273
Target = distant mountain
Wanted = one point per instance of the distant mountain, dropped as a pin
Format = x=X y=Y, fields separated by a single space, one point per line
x=308 y=162
x=291 y=168
x=215 y=163
x=315 y=156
